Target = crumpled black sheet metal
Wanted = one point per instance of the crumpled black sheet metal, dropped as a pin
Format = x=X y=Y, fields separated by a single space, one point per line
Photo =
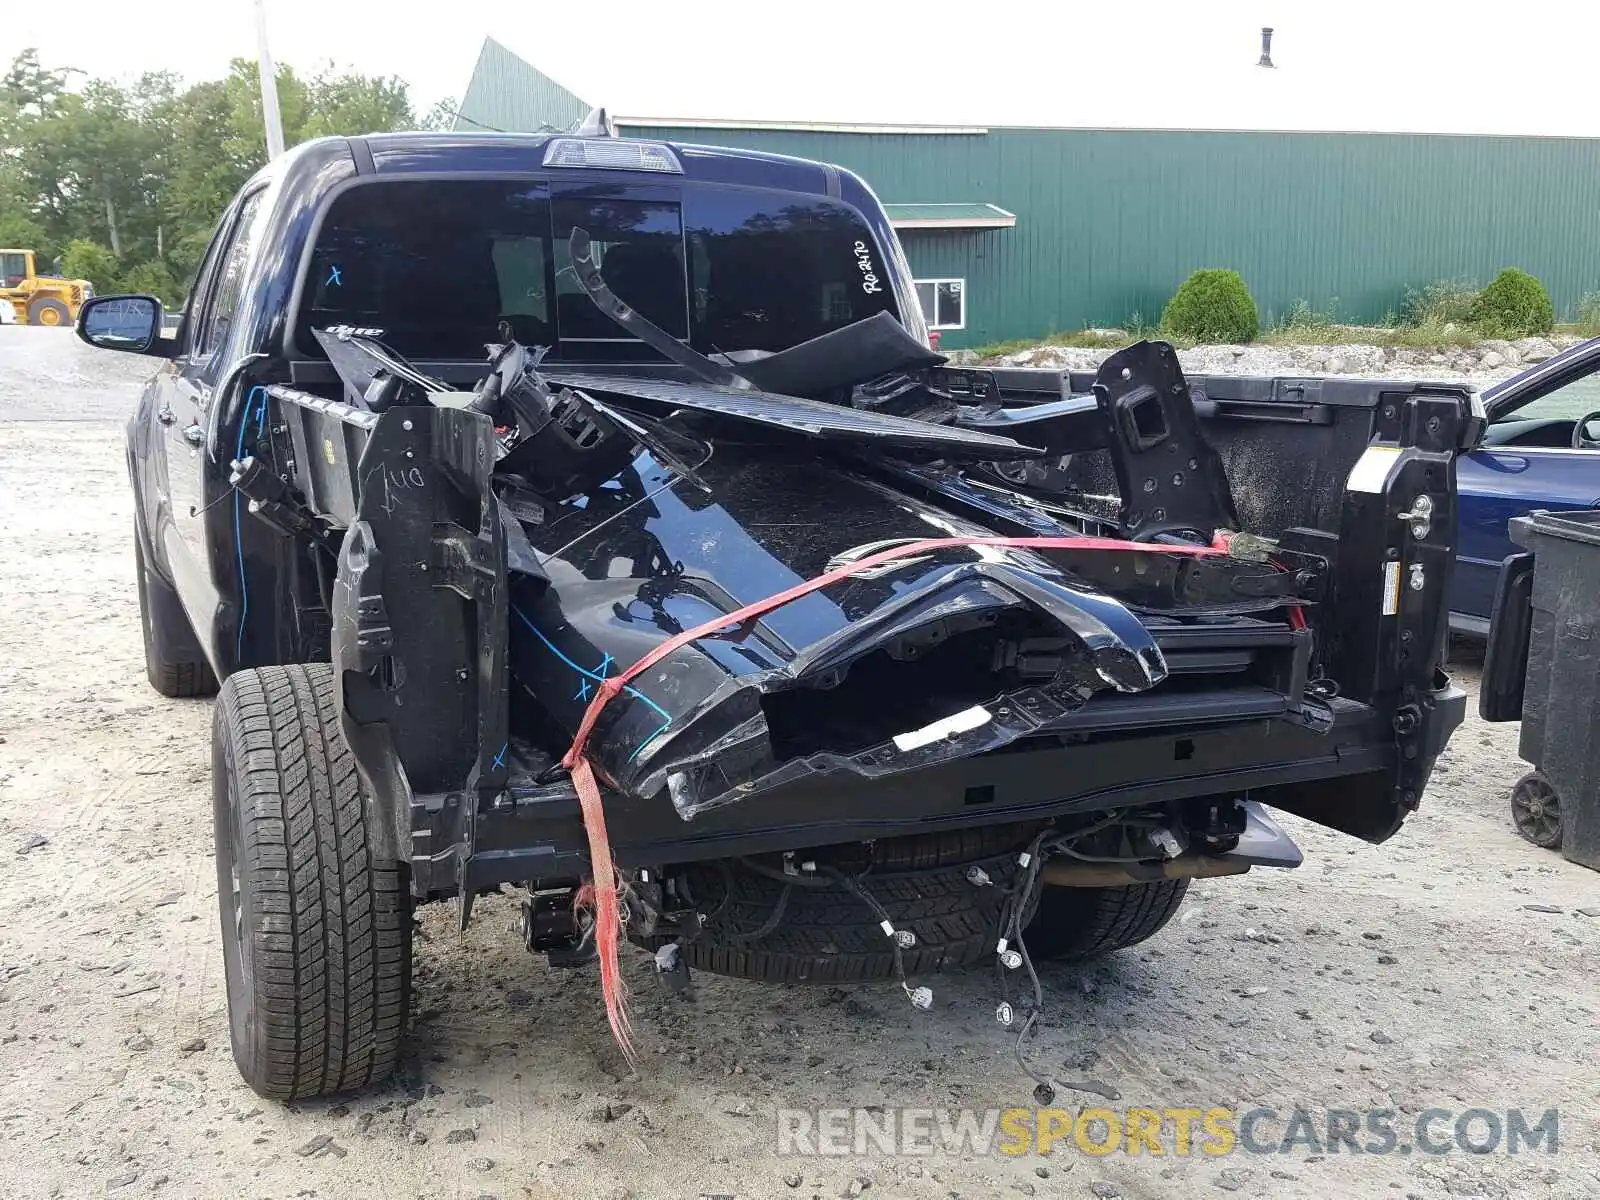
x=811 y=418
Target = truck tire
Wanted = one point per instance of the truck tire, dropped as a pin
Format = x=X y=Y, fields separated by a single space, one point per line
x=827 y=935
x=950 y=847
x=45 y=311
x=173 y=660
x=316 y=928
x=1078 y=923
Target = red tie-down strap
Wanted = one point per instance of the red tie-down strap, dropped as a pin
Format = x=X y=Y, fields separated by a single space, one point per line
x=604 y=892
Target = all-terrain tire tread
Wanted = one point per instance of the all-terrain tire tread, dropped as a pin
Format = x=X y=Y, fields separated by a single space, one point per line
x=331 y=956
x=829 y=936
x=1078 y=923
x=179 y=680
x=183 y=681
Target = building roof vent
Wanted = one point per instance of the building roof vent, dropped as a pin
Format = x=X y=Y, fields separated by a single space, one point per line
x=1266 y=47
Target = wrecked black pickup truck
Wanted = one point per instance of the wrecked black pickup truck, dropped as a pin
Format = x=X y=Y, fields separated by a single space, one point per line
x=589 y=518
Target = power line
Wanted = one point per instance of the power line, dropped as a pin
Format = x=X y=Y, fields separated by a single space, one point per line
x=458 y=115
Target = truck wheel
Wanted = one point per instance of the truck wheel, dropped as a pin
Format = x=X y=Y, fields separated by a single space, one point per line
x=1536 y=811
x=316 y=928
x=173 y=660
x=1076 y=923
x=44 y=311
x=827 y=935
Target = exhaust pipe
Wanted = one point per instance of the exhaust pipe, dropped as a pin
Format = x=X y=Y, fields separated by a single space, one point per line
x=1266 y=47
x=1060 y=872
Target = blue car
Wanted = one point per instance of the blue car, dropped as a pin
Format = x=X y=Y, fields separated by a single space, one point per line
x=1541 y=450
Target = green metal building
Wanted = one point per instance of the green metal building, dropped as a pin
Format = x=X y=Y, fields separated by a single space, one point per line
x=1020 y=232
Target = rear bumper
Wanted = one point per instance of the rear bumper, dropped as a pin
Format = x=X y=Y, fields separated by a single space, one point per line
x=537 y=833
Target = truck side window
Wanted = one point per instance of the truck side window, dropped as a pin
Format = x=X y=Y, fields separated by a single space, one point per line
x=13 y=269
x=194 y=303
x=229 y=284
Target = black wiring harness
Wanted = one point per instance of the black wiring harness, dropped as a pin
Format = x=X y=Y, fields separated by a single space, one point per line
x=1021 y=897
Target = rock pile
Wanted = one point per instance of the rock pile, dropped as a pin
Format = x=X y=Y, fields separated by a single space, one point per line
x=1484 y=362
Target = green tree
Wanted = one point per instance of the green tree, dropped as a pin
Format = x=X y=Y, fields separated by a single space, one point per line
x=143 y=172
x=345 y=104
x=441 y=116
x=28 y=90
x=154 y=279
x=19 y=230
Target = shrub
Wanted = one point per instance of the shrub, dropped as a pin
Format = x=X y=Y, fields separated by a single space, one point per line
x=1589 y=315
x=1213 y=306
x=1514 y=303
x=1308 y=324
x=1448 y=302
x=91 y=261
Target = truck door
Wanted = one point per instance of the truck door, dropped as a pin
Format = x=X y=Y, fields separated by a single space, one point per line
x=184 y=413
x=1498 y=483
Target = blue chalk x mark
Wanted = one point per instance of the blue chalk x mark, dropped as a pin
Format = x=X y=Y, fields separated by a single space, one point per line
x=335 y=279
x=500 y=759
x=584 y=690
x=585 y=676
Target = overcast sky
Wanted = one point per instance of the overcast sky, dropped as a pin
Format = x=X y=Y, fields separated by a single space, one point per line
x=1424 y=65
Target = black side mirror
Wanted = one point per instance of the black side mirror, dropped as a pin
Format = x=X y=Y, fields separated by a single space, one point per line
x=131 y=323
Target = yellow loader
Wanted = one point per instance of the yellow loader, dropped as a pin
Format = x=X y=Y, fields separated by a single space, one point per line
x=39 y=299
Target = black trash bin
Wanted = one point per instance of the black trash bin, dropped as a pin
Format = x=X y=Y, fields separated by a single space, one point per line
x=1559 y=804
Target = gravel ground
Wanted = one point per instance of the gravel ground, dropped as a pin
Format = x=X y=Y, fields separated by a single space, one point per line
x=1453 y=967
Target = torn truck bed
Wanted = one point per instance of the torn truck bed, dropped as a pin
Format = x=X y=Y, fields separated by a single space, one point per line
x=950 y=652
x=934 y=666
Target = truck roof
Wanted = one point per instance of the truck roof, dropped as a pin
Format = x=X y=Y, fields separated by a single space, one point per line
x=516 y=153
x=500 y=151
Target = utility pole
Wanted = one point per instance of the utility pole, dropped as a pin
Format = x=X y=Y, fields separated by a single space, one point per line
x=269 y=85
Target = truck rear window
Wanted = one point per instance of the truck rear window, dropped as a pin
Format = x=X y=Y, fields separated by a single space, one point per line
x=443 y=267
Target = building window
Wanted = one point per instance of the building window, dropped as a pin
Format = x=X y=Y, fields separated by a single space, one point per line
x=944 y=303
